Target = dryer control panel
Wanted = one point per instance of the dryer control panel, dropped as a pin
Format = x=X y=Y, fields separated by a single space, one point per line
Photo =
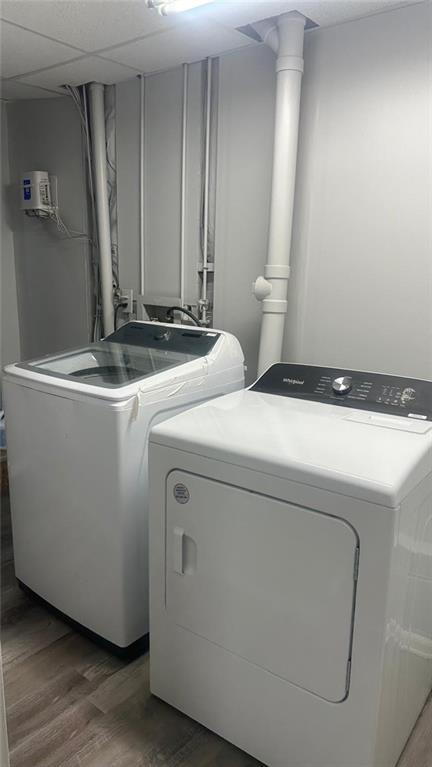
x=378 y=392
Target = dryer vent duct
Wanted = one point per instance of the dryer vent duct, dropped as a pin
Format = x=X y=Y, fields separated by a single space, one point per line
x=285 y=36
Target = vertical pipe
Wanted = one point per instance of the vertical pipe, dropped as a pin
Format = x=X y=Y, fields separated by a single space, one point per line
x=206 y=190
x=141 y=186
x=289 y=69
x=97 y=118
x=183 y=184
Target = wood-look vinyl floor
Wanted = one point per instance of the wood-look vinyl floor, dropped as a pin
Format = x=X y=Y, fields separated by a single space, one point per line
x=71 y=704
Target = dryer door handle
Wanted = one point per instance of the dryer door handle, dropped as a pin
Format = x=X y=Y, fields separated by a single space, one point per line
x=178 y=535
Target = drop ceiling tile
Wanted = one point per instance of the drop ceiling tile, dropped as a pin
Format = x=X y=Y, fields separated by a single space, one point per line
x=193 y=40
x=88 y=24
x=332 y=12
x=13 y=89
x=323 y=12
x=85 y=70
x=237 y=13
x=104 y=25
x=23 y=51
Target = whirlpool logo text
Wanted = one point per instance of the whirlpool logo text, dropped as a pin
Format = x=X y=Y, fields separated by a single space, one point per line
x=293 y=381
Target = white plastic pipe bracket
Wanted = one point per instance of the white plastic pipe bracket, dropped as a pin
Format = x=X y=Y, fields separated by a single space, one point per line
x=275 y=306
x=294 y=63
x=277 y=272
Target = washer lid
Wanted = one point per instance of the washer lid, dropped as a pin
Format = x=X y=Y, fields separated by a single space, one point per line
x=111 y=367
x=310 y=442
x=135 y=351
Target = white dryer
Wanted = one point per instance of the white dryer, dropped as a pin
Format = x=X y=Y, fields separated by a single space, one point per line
x=77 y=432
x=291 y=565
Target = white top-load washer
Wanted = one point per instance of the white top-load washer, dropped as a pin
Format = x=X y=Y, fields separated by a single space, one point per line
x=291 y=565
x=77 y=432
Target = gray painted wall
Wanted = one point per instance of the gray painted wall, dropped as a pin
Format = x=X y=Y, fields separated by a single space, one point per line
x=245 y=149
x=52 y=273
x=361 y=292
x=162 y=161
x=361 y=287
x=9 y=326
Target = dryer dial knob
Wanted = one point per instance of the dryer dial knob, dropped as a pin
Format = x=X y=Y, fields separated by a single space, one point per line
x=342 y=385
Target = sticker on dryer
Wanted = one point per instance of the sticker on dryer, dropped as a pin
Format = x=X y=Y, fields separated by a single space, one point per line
x=181 y=493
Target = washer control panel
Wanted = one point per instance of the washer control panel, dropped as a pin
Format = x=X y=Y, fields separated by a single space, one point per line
x=377 y=392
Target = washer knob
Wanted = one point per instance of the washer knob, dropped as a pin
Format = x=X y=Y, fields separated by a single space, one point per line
x=342 y=385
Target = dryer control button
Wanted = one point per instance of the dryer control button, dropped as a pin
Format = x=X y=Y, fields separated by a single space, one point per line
x=342 y=385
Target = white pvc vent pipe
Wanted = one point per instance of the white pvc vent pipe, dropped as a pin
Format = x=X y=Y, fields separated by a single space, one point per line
x=98 y=138
x=286 y=39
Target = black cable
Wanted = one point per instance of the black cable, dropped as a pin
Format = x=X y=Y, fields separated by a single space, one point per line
x=172 y=309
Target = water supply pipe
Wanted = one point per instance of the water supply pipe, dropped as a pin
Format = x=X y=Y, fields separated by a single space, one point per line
x=285 y=36
x=97 y=122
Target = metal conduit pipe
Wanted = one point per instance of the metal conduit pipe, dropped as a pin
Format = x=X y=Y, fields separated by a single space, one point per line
x=286 y=38
x=183 y=183
x=141 y=186
x=97 y=121
x=205 y=264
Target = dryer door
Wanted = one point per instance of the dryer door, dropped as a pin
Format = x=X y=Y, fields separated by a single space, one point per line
x=266 y=580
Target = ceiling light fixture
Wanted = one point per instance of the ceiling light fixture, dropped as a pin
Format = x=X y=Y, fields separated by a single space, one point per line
x=166 y=7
